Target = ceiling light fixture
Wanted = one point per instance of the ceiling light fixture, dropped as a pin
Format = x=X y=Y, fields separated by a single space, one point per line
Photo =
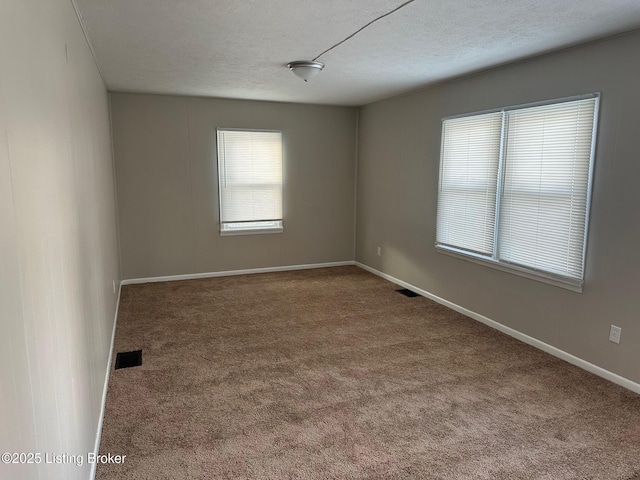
x=308 y=69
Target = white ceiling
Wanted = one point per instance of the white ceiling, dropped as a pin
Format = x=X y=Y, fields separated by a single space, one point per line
x=240 y=48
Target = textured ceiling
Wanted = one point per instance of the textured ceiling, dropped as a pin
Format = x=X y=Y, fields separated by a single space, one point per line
x=240 y=48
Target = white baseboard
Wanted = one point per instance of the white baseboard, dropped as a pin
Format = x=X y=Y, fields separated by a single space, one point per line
x=96 y=447
x=556 y=352
x=228 y=273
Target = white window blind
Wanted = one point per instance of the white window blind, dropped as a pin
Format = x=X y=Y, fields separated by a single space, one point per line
x=250 y=180
x=468 y=182
x=543 y=211
x=542 y=173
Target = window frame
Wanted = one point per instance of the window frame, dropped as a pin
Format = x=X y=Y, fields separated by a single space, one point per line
x=268 y=226
x=494 y=261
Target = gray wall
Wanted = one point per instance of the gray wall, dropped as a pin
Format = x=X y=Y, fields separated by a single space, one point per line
x=58 y=239
x=397 y=195
x=167 y=184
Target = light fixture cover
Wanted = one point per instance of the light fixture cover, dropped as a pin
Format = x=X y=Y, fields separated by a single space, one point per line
x=305 y=69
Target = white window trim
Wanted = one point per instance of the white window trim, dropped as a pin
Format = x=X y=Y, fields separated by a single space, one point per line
x=224 y=230
x=514 y=269
x=544 y=277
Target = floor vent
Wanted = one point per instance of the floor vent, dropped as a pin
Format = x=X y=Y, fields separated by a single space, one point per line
x=129 y=359
x=407 y=293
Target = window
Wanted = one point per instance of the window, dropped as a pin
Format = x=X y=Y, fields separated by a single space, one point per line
x=515 y=188
x=250 y=181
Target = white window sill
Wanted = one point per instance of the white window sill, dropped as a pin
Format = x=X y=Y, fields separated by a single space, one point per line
x=516 y=270
x=250 y=231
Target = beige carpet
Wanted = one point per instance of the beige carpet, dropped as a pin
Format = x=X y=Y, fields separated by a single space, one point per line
x=331 y=374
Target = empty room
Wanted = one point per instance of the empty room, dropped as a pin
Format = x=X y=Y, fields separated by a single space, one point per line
x=319 y=240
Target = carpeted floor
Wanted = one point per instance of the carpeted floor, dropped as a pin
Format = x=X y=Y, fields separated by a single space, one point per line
x=331 y=374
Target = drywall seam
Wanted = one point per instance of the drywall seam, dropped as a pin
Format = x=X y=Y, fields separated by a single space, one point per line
x=96 y=448
x=556 y=352
x=228 y=273
x=355 y=185
x=191 y=186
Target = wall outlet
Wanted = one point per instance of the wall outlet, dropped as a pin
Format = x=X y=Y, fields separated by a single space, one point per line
x=379 y=251
x=114 y=286
x=614 y=334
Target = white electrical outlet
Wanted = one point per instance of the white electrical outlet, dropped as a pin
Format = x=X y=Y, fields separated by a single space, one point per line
x=614 y=334
x=114 y=286
x=379 y=251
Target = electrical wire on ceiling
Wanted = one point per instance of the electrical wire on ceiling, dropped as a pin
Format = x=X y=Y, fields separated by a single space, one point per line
x=307 y=69
x=362 y=28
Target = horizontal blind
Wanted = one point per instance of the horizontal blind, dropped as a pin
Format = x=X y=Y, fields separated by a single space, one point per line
x=544 y=202
x=468 y=181
x=250 y=175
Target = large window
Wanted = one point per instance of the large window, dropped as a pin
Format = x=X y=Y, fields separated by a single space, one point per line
x=515 y=187
x=250 y=181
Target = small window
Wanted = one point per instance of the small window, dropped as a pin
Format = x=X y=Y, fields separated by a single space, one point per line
x=515 y=186
x=250 y=181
